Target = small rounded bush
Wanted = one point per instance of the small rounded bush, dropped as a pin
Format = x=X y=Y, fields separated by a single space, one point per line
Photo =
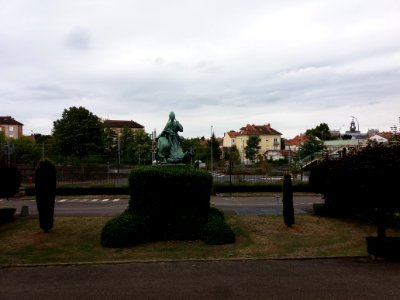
x=216 y=231
x=125 y=230
x=10 y=181
x=6 y=214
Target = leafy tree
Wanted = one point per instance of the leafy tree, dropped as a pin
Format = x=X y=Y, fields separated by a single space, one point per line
x=110 y=145
x=198 y=146
x=79 y=133
x=127 y=138
x=216 y=150
x=346 y=137
x=26 y=150
x=232 y=154
x=311 y=146
x=138 y=147
x=264 y=164
x=321 y=131
x=46 y=146
x=253 y=147
x=2 y=138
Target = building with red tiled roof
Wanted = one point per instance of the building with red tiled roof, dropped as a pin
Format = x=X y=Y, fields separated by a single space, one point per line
x=10 y=127
x=295 y=143
x=270 y=139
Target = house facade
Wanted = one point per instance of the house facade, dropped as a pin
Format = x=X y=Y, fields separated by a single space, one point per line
x=118 y=125
x=10 y=127
x=270 y=140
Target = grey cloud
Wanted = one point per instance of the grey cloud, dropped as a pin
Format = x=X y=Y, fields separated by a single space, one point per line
x=79 y=39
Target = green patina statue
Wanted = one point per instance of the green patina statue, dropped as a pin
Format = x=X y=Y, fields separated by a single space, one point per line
x=168 y=144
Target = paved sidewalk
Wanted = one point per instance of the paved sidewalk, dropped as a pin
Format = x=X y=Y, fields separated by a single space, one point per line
x=249 y=279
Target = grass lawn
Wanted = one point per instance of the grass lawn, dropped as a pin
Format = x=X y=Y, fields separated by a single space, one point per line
x=77 y=239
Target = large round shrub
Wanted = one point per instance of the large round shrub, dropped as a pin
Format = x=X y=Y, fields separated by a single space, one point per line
x=125 y=230
x=216 y=231
x=10 y=181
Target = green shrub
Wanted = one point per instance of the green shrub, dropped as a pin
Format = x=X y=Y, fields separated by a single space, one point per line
x=126 y=230
x=363 y=183
x=45 y=186
x=10 y=181
x=216 y=231
x=175 y=198
x=6 y=214
x=168 y=202
x=287 y=199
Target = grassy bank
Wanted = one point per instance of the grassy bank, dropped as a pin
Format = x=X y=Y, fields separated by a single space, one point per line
x=77 y=239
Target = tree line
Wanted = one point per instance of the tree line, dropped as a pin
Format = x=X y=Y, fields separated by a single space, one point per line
x=80 y=137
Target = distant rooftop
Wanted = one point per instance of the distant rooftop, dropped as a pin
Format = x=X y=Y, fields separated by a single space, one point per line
x=122 y=124
x=8 y=120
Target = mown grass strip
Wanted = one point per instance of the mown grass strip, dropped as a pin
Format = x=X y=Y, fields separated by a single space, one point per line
x=77 y=239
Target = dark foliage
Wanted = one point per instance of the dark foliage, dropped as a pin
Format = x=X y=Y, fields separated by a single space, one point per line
x=45 y=185
x=176 y=197
x=125 y=230
x=363 y=183
x=167 y=202
x=287 y=199
x=6 y=214
x=10 y=181
x=216 y=231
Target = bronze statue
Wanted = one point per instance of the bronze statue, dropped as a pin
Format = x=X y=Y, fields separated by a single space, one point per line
x=168 y=144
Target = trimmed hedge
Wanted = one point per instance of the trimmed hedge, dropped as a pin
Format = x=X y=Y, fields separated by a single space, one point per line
x=45 y=185
x=6 y=214
x=168 y=203
x=10 y=181
x=177 y=198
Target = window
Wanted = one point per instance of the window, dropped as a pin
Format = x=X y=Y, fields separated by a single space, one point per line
x=11 y=128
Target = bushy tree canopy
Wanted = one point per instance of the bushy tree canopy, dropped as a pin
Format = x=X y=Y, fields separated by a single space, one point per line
x=363 y=182
x=252 y=147
x=78 y=133
x=321 y=131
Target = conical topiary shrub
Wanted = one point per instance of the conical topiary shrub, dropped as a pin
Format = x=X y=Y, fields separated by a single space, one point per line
x=287 y=199
x=45 y=186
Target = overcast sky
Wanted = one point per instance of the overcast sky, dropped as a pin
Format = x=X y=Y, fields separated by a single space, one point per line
x=219 y=64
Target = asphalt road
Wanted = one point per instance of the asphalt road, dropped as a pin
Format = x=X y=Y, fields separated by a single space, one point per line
x=353 y=278
x=113 y=205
